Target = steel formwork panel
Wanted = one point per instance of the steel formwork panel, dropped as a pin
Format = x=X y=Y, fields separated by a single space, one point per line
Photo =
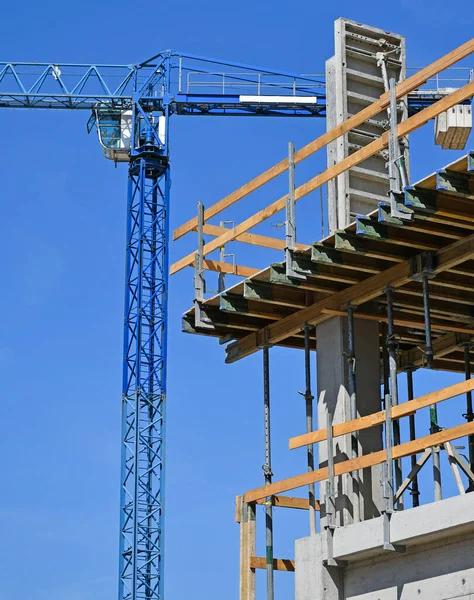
x=354 y=80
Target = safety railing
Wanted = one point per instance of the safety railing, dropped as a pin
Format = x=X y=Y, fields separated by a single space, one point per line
x=241 y=233
x=426 y=447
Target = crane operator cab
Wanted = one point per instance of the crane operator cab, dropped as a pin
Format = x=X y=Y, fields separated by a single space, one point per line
x=114 y=128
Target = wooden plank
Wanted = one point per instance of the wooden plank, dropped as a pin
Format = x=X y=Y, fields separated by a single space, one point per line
x=364 y=291
x=279 y=564
x=362 y=462
x=399 y=411
x=238 y=509
x=251 y=238
x=403 y=129
x=402 y=89
x=222 y=267
x=247 y=550
x=436 y=326
x=290 y=502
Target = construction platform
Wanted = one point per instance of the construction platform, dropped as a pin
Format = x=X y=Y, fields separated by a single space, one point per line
x=356 y=264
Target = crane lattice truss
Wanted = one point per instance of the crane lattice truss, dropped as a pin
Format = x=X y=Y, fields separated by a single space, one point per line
x=169 y=83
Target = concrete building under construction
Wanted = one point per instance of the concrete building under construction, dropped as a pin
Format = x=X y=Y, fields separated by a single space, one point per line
x=389 y=291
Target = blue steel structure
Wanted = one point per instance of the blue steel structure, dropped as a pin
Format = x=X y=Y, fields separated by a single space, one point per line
x=169 y=83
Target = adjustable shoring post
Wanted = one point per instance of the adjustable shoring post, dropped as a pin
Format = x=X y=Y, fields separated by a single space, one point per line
x=330 y=504
x=267 y=467
x=392 y=366
x=385 y=368
x=309 y=425
x=330 y=499
x=387 y=480
x=469 y=415
x=427 y=316
x=353 y=404
x=415 y=492
x=425 y=271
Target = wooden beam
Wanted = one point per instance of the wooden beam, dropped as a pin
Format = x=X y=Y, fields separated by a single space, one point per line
x=238 y=509
x=251 y=238
x=247 y=550
x=401 y=322
x=399 y=411
x=279 y=564
x=362 y=462
x=402 y=89
x=364 y=291
x=442 y=346
x=222 y=267
x=403 y=129
x=290 y=502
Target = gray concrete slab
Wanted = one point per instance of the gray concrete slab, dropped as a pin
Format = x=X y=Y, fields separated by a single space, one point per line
x=438 y=563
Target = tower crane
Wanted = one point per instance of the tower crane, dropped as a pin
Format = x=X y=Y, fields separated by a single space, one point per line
x=130 y=108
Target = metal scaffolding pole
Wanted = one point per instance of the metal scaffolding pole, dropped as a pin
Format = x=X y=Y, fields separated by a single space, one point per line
x=353 y=403
x=434 y=427
x=469 y=416
x=415 y=492
x=308 y=396
x=392 y=365
x=267 y=471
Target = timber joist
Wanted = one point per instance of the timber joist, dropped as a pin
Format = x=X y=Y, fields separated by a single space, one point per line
x=355 y=265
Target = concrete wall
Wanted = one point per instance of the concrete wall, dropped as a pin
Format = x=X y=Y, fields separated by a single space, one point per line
x=438 y=563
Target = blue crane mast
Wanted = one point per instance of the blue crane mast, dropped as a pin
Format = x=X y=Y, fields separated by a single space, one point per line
x=131 y=106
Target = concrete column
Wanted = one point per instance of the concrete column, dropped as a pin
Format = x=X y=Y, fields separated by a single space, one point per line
x=332 y=385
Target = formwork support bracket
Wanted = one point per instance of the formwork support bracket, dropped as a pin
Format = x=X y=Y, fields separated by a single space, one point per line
x=199 y=279
x=290 y=223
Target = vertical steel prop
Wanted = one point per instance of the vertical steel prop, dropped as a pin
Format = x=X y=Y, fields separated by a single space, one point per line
x=308 y=396
x=427 y=273
x=351 y=358
x=391 y=343
x=469 y=415
x=415 y=492
x=267 y=469
x=330 y=499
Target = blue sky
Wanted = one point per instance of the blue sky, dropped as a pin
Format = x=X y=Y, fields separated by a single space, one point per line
x=62 y=235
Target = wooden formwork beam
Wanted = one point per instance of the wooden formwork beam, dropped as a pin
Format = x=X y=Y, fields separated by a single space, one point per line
x=251 y=238
x=279 y=564
x=366 y=290
x=435 y=325
x=229 y=268
x=290 y=502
